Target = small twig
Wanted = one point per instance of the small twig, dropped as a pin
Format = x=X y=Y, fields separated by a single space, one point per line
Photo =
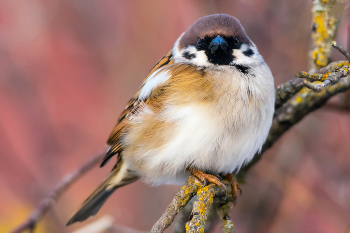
x=180 y=200
x=317 y=82
x=48 y=201
x=326 y=75
x=226 y=222
x=341 y=50
x=334 y=71
x=318 y=86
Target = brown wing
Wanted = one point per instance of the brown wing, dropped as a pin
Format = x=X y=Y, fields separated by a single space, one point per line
x=132 y=107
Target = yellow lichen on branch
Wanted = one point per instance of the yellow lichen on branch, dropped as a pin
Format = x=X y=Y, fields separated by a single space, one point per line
x=206 y=196
x=319 y=81
x=324 y=28
x=200 y=209
x=180 y=200
x=226 y=222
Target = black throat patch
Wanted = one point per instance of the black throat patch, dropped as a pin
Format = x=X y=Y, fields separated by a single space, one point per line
x=219 y=57
x=241 y=68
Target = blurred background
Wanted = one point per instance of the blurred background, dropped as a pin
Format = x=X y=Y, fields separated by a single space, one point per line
x=67 y=69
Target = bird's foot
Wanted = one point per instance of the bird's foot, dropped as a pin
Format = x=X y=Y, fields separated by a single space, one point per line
x=205 y=177
x=235 y=186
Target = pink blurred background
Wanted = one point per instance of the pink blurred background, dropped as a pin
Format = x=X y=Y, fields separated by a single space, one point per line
x=67 y=69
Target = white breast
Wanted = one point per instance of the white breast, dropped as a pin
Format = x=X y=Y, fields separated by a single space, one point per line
x=217 y=138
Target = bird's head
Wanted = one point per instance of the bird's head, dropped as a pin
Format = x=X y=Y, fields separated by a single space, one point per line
x=215 y=40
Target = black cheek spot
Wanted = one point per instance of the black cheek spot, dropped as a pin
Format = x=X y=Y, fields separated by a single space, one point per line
x=188 y=55
x=248 y=52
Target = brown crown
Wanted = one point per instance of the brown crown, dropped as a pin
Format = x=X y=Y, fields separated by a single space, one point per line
x=211 y=25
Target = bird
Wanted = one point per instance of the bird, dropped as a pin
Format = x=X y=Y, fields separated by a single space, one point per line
x=204 y=109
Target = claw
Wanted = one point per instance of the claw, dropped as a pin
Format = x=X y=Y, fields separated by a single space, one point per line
x=205 y=177
x=235 y=186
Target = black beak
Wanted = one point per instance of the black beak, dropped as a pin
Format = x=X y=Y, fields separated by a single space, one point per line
x=218 y=42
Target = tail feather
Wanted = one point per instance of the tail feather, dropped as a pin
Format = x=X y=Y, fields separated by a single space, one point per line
x=119 y=177
x=92 y=207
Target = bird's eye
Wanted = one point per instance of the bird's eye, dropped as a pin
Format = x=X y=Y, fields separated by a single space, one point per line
x=235 y=41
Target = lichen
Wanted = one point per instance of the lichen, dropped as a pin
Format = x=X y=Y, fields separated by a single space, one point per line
x=324 y=30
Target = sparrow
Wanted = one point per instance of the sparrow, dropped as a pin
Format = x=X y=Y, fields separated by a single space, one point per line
x=204 y=109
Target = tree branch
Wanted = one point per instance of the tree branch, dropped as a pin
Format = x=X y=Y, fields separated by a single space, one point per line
x=53 y=196
x=180 y=201
x=287 y=90
x=198 y=218
x=184 y=215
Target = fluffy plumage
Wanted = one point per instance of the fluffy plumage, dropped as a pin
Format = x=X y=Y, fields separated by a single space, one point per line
x=201 y=106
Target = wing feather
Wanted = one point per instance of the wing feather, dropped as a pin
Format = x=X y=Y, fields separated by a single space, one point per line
x=132 y=108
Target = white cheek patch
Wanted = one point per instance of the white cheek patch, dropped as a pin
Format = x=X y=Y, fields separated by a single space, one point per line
x=246 y=55
x=154 y=80
x=198 y=57
x=194 y=56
